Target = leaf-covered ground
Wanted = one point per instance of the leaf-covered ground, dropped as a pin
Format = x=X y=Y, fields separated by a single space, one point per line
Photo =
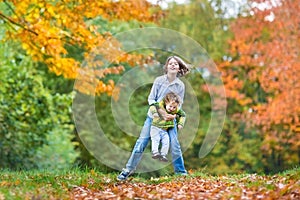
x=92 y=184
x=223 y=187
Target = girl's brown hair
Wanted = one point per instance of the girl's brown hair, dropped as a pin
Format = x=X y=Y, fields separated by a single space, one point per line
x=183 y=67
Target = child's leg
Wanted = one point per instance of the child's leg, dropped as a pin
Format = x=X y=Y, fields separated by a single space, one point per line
x=165 y=143
x=155 y=139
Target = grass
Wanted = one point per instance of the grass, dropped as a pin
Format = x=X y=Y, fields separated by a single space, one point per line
x=44 y=184
x=47 y=184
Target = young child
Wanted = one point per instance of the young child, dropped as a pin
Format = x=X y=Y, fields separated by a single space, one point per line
x=159 y=127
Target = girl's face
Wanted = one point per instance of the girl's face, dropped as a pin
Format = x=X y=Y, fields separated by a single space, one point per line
x=173 y=66
x=171 y=106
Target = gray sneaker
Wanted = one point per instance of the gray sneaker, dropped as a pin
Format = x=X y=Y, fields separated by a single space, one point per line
x=163 y=159
x=156 y=155
x=124 y=174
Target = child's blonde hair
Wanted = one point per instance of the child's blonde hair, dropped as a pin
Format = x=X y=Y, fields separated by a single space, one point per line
x=183 y=67
x=171 y=97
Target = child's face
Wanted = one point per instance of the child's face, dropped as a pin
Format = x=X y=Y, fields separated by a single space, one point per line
x=171 y=106
x=173 y=66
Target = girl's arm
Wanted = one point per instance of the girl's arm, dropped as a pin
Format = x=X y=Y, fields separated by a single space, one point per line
x=181 y=94
x=153 y=93
x=152 y=100
x=166 y=116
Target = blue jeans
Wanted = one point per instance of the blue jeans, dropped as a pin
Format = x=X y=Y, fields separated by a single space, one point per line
x=141 y=143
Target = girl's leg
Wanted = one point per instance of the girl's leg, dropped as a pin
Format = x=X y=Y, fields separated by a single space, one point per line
x=139 y=146
x=177 y=158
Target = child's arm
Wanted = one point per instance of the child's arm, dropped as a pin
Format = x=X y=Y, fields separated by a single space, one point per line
x=180 y=126
x=181 y=118
x=153 y=111
x=166 y=116
x=162 y=112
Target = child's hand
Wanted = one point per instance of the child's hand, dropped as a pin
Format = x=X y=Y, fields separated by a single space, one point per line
x=180 y=126
x=166 y=116
x=169 y=117
x=155 y=115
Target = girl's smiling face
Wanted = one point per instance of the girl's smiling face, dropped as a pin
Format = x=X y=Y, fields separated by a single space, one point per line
x=173 y=66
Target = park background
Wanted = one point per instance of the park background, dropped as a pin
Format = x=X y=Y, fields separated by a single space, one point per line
x=254 y=44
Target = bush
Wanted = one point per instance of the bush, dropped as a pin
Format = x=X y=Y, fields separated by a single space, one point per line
x=29 y=114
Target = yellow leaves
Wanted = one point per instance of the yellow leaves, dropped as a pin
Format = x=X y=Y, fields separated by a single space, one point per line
x=67 y=67
x=21 y=7
x=93 y=173
x=4 y=183
x=116 y=93
x=94 y=87
x=64 y=33
x=101 y=73
x=50 y=10
x=45 y=28
x=89 y=81
x=25 y=46
x=131 y=59
x=105 y=88
x=122 y=10
x=92 y=28
x=32 y=50
x=244 y=101
x=45 y=42
x=9 y=183
x=295 y=128
x=33 y=15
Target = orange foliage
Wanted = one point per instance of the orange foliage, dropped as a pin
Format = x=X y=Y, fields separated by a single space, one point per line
x=194 y=187
x=265 y=51
x=46 y=27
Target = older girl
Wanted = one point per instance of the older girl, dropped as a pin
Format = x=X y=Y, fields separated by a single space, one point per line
x=169 y=82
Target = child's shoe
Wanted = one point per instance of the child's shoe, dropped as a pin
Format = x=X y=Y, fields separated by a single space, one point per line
x=156 y=155
x=163 y=159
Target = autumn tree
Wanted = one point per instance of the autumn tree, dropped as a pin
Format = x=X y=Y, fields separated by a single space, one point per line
x=47 y=28
x=73 y=41
x=262 y=74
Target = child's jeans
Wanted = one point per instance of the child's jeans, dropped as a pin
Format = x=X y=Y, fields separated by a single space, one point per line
x=159 y=136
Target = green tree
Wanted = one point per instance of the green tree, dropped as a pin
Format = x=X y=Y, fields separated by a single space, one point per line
x=203 y=22
x=235 y=150
x=29 y=113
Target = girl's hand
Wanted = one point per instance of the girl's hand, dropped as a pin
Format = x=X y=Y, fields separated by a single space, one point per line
x=180 y=126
